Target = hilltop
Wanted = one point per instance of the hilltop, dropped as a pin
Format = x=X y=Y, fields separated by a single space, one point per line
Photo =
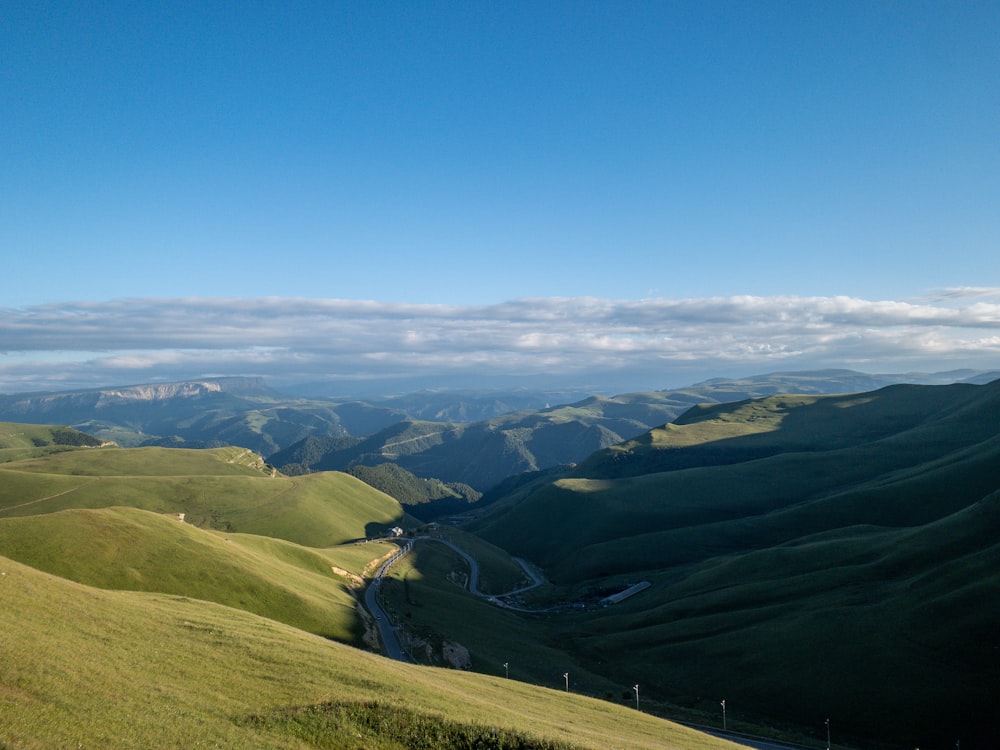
x=483 y=454
x=182 y=597
x=854 y=531
x=472 y=437
x=228 y=489
x=852 y=537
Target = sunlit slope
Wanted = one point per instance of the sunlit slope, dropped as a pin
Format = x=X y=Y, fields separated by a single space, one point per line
x=225 y=488
x=129 y=549
x=739 y=477
x=484 y=453
x=719 y=434
x=20 y=441
x=92 y=668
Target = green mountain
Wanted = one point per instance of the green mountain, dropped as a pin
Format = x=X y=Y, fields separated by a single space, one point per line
x=127 y=625
x=29 y=440
x=425 y=499
x=809 y=556
x=482 y=454
x=228 y=489
x=193 y=414
x=214 y=412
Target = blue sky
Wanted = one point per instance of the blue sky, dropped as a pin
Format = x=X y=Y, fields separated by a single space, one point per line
x=163 y=159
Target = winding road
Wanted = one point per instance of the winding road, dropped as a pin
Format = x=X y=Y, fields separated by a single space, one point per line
x=394 y=650
x=386 y=629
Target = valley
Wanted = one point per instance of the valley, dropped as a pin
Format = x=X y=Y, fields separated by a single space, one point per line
x=803 y=556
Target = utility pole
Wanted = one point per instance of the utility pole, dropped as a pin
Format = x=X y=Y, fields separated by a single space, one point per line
x=723 y=714
x=636 y=689
x=566 y=677
x=827 y=734
x=506 y=671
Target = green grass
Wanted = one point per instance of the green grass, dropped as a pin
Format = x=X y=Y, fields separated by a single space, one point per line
x=226 y=488
x=165 y=462
x=498 y=573
x=135 y=550
x=92 y=668
x=133 y=629
x=420 y=595
x=22 y=441
x=377 y=725
x=809 y=556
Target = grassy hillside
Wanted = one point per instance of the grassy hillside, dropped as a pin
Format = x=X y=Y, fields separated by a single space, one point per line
x=92 y=668
x=808 y=555
x=482 y=454
x=19 y=441
x=132 y=628
x=425 y=499
x=757 y=473
x=135 y=550
x=226 y=488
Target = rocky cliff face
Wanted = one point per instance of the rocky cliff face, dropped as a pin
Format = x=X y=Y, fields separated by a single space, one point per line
x=106 y=397
x=187 y=389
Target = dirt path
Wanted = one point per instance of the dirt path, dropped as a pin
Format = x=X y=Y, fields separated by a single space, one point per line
x=413 y=439
x=40 y=499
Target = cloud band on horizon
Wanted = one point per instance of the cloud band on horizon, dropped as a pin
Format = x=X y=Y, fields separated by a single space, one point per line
x=70 y=345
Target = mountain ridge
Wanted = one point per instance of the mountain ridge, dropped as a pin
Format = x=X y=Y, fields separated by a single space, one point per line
x=847 y=525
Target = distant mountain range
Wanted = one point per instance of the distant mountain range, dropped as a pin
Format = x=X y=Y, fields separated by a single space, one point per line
x=482 y=454
x=805 y=555
x=468 y=437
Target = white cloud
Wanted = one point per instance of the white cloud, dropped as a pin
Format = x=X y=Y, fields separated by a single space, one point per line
x=98 y=343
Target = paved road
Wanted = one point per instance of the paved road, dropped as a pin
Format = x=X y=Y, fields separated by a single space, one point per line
x=473 y=565
x=386 y=631
x=536 y=579
x=394 y=650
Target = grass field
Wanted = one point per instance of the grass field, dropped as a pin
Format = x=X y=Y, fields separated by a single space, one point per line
x=82 y=667
x=225 y=488
x=809 y=556
x=136 y=550
x=109 y=517
x=123 y=626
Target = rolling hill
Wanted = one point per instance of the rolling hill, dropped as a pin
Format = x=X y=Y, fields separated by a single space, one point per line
x=425 y=499
x=84 y=667
x=124 y=626
x=482 y=454
x=135 y=550
x=229 y=489
x=215 y=412
x=809 y=556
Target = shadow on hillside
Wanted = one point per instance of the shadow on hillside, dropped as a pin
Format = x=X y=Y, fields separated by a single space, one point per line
x=381 y=530
x=811 y=425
